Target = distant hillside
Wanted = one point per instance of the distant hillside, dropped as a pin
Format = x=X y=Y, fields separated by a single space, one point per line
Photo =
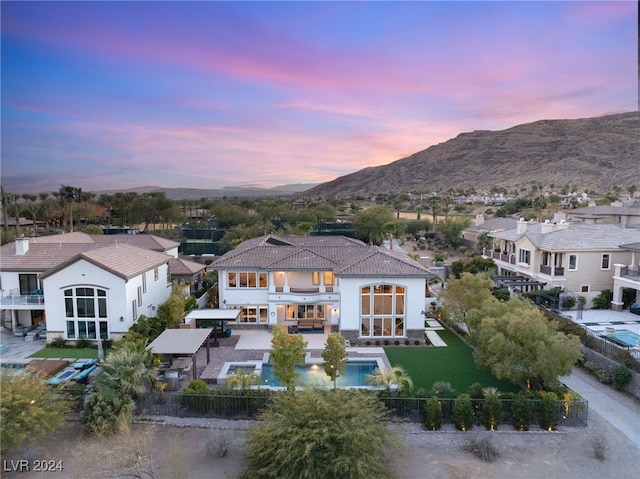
x=228 y=191
x=592 y=153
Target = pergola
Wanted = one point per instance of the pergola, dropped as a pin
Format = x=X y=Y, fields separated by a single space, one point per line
x=182 y=342
x=216 y=316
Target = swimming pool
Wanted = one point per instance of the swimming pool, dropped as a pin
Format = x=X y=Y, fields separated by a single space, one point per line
x=629 y=338
x=314 y=375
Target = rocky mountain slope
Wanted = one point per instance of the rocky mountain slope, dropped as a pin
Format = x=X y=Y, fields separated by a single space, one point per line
x=592 y=154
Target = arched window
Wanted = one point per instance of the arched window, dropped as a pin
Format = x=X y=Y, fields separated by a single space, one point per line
x=382 y=310
x=86 y=313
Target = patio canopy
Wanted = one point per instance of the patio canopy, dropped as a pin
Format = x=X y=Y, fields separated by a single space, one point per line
x=181 y=342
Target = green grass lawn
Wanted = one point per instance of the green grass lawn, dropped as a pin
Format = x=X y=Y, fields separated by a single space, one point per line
x=66 y=353
x=453 y=364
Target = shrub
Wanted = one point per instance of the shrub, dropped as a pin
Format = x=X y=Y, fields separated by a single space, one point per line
x=548 y=410
x=433 y=414
x=416 y=342
x=396 y=342
x=621 y=376
x=484 y=448
x=368 y=343
x=442 y=389
x=407 y=342
x=82 y=343
x=569 y=302
x=197 y=386
x=491 y=409
x=521 y=412
x=105 y=412
x=600 y=445
x=386 y=342
x=463 y=412
x=377 y=342
x=58 y=342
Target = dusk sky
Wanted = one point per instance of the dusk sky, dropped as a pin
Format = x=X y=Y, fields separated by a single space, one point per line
x=116 y=95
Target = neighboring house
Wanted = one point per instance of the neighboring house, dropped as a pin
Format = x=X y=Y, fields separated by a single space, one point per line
x=579 y=258
x=69 y=279
x=621 y=213
x=627 y=276
x=481 y=224
x=364 y=292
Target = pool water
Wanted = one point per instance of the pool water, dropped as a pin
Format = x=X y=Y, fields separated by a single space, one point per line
x=67 y=373
x=314 y=375
x=628 y=337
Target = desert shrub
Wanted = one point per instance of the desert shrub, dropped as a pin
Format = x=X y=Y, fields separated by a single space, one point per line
x=521 y=412
x=105 y=412
x=433 y=414
x=483 y=447
x=548 y=410
x=621 y=376
x=600 y=445
x=463 y=412
x=218 y=442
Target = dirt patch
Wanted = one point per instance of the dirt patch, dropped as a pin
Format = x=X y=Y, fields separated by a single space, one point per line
x=218 y=451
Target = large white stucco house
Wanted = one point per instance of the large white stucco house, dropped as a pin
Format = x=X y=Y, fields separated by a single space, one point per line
x=87 y=285
x=324 y=282
x=580 y=258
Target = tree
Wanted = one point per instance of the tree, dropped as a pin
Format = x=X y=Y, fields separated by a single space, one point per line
x=484 y=241
x=316 y=433
x=242 y=379
x=173 y=309
x=452 y=228
x=518 y=343
x=368 y=224
x=29 y=408
x=388 y=377
x=334 y=356
x=464 y=295
x=128 y=371
x=288 y=351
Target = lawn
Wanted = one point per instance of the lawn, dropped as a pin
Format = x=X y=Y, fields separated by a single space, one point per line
x=453 y=364
x=66 y=353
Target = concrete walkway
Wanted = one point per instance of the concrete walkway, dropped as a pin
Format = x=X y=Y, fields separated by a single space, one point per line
x=620 y=410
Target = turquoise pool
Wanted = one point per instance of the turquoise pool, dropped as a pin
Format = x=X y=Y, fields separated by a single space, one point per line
x=629 y=338
x=314 y=375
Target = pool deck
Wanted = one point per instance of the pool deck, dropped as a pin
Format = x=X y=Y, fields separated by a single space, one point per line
x=251 y=345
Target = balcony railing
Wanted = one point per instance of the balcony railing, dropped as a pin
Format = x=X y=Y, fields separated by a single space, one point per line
x=548 y=270
x=16 y=299
x=626 y=271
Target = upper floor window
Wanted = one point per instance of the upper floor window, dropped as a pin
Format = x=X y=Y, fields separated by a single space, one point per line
x=85 y=303
x=326 y=277
x=573 y=262
x=28 y=283
x=246 y=279
x=525 y=256
x=144 y=282
x=606 y=261
x=156 y=274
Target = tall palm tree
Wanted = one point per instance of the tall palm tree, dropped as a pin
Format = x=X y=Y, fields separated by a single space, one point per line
x=388 y=377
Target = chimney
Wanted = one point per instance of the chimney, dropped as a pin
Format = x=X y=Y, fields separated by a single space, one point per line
x=22 y=245
x=479 y=219
x=546 y=227
x=521 y=226
x=562 y=225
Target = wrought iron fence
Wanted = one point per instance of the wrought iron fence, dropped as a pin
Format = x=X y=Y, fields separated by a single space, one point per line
x=613 y=350
x=569 y=412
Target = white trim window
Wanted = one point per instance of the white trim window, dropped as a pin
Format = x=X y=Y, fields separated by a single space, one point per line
x=573 y=262
x=252 y=314
x=605 y=262
x=525 y=256
x=86 y=313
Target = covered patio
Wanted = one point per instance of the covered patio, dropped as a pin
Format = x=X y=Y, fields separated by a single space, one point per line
x=216 y=317
x=180 y=347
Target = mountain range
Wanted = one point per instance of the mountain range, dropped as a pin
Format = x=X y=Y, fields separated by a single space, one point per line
x=597 y=153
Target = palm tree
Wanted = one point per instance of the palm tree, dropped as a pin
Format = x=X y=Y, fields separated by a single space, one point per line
x=128 y=371
x=484 y=241
x=388 y=377
x=242 y=379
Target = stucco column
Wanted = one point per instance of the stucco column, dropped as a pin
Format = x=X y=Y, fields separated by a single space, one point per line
x=616 y=303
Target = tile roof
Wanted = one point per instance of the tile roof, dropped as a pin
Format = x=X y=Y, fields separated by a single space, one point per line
x=124 y=261
x=344 y=256
x=574 y=237
x=184 y=267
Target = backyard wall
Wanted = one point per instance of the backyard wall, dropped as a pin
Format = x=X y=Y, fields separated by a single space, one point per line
x=609 y=365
